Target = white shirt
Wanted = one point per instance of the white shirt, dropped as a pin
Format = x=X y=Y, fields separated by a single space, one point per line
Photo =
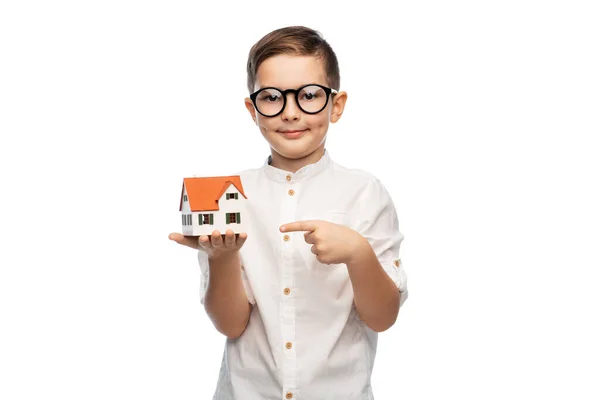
x=304 y=339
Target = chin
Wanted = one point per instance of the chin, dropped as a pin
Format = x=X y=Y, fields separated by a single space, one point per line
x=291 y=154
x=295 y=152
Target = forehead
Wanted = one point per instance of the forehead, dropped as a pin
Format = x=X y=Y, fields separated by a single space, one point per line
x=289 y=72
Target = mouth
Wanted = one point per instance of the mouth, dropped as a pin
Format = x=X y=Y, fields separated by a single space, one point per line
x=292 y=134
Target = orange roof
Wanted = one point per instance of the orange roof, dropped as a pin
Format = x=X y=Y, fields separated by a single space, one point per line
x=204 y=193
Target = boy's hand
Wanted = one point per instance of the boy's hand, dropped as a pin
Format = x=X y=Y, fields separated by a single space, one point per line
x=214 y=245
x=332 y=243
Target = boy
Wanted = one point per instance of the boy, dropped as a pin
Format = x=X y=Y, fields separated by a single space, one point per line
x=302 y=295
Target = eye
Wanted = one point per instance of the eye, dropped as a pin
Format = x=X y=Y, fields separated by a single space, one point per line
x=269 y=97
x=311 y=93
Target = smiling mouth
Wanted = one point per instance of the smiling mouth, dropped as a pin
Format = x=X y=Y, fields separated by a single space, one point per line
x=292 y=134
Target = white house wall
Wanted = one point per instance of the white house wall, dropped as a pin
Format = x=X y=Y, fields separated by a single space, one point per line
x=185 y=208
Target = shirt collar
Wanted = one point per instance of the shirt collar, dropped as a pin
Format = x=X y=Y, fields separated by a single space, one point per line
x=305 y=172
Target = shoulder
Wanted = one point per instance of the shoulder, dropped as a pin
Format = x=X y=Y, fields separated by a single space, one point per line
x=370 y=191
x=249 y=172
x=250 y=175
x=358 y=178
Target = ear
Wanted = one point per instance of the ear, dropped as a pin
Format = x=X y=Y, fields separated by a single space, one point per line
x=250 y=108
x=338 y=104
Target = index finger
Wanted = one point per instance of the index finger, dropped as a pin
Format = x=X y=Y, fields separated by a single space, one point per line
x=299 y=226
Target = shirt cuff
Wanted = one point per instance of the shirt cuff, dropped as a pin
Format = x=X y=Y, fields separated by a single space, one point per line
x=395 y=270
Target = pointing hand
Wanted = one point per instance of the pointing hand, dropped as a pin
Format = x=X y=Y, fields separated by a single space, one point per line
x=331 y=243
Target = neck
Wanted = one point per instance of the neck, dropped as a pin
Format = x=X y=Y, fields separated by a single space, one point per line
x=294 y=164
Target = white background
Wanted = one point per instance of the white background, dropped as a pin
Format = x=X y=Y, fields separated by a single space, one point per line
x=481 y=118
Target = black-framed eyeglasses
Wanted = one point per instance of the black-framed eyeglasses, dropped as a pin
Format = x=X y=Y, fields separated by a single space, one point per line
x=311 y=99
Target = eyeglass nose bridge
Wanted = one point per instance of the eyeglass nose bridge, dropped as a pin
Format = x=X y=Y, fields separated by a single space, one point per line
x=284 y=93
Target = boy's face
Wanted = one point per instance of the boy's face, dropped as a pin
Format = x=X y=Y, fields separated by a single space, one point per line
x=292 y=72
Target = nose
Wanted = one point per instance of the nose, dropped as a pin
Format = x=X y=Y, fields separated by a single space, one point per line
x=291 y=110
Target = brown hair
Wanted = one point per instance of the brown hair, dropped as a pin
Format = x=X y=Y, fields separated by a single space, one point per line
x=298 y=41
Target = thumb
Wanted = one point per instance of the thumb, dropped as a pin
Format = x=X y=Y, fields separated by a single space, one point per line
x=176 y=237
x=189 y=241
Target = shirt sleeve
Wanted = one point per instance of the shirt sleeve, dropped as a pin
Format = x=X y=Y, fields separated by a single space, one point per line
x=379 y=225
x=204 y=276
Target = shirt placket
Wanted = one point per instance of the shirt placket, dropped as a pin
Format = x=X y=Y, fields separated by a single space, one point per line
x=288 y=292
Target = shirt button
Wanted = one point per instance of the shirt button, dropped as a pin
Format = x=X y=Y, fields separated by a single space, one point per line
x=289 y=395
x=288 y=345
x=288 y=178
x=286 y=291
x=291 y=192
x=286 y=237
x=396 y=263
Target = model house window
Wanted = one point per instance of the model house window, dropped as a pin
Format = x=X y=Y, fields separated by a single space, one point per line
x=189 y=219
x=183 y=219
x=233 y=218
x=231 y=196
x=185 y=197
x=207 y=219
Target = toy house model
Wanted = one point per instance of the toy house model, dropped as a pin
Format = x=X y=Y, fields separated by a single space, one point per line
x=212 y=203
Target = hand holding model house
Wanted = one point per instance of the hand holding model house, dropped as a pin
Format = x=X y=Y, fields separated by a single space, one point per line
x=209 y=206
